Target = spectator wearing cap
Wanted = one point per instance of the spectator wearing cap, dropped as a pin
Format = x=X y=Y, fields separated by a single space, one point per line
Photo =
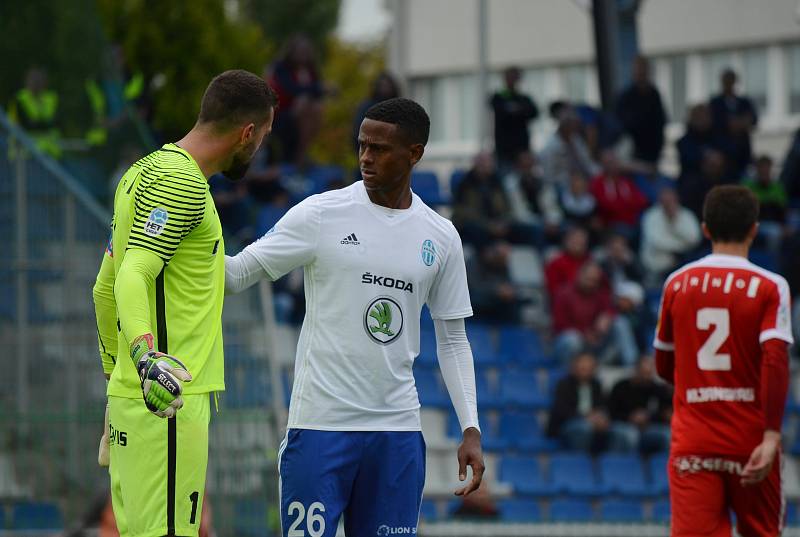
x=669 y=233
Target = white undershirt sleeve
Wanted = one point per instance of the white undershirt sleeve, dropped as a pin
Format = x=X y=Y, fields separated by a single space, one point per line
x=455 y=361
x=242 y=271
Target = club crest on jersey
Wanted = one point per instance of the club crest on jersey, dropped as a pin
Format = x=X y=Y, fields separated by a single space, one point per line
x=383 y=320
x=156 y=222
x=428 y=252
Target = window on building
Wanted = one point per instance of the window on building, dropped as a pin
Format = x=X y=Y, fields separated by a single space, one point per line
x=754 y=77
x=575 y=83
x=677 y=85
x=469 y=107
x=793 y=54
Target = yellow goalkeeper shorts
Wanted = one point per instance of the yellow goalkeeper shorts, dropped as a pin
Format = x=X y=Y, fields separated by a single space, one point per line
x=158 y=467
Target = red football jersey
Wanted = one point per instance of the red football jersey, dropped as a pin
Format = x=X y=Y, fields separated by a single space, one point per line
x=714 y=315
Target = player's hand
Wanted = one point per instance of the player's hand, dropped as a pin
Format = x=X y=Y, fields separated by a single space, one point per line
x=161 y=376
x=760 y=463
x=103 y=455
x=470 y=454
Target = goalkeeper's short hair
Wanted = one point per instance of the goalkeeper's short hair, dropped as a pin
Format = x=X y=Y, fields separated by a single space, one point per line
x=236 y=97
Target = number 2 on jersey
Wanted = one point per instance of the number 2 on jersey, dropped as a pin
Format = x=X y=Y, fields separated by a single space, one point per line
x=315 y=522
x=708 y=357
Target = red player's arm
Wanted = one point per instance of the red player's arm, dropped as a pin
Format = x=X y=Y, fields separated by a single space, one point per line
x=665 y=365
x=774 y=381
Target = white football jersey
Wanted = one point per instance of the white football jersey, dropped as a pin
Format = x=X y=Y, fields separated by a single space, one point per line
x=368 y=272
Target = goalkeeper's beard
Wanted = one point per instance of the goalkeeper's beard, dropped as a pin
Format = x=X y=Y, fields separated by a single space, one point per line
x=239 y=164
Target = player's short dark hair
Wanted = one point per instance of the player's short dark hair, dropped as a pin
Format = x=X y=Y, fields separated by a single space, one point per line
x=236 y=97
x=411 y=119
x=729 y=212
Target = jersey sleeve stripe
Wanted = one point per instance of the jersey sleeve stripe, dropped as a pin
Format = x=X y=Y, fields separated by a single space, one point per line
x=774 y=333
x=163 y=254
x=663 y=345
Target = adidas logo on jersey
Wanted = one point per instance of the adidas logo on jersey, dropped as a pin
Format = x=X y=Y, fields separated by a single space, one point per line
x=350 y=240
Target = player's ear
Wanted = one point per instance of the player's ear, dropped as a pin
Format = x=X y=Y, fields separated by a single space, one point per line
x=706 y=233
x=417 y=150
x=247 y=133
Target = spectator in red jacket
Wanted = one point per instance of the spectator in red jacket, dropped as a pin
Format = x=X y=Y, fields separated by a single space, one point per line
x=619 y=200
x=584 y=318
x=563 y=268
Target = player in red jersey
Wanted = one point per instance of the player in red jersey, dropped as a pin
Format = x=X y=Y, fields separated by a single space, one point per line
x=722 y=339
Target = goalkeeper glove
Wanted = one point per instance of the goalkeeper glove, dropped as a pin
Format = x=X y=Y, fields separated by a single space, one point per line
x=161 y=376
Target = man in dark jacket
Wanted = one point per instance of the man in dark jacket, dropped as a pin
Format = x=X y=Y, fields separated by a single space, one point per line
x=512 y=113
x=640 y=408
x=734 y=117
x=578 y=415
x=642 y=115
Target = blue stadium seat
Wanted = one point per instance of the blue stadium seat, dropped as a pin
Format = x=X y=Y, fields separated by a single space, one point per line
x=621 y=511
x=36 y=516
x=431 y=392
x=483 y=349
x=522 y=346
x=428 y=511
x=661 y=511
x=519 y=510
x=791 y=514
x=427 y=349
x=657 y=468
x=524 y=433
x=425 y=184
x=571 y=511
x=455 y=180
x=491 y=440
x=623 y=474
x=573 y=473
x=488 y=397
x=520 y=389
x=250 y=518
x=525 y=475
x=267 y=217
x=764 y=259
x=321 y=177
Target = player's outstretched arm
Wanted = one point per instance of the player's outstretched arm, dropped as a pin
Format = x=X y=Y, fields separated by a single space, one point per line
x=160 y=374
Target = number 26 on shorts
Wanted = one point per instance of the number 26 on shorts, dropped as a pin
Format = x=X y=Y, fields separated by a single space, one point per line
x=315 y=522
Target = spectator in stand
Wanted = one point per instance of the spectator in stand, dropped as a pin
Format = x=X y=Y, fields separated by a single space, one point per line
x=566 y=152
x=578 y=415
x=637 y=336
x=532 y=201
x=619 y=262
x=494 y=298
x=295 y=78
x=790 y=174
x=577 y=204
x=481 y=211
x=584 y=318
x=773 y=204
x=696 y=140
x=385 y=87
x=619 y=200
x=563 y=268
x=642 y=115
x=233 y=206
x=692 y=188
x=669 y=233
x=734 y=118
x=640 y=408
x=512 y=113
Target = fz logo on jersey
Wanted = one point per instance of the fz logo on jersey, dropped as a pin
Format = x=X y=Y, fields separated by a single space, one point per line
x=156 y=222
x=383 y=320
x=428 y=252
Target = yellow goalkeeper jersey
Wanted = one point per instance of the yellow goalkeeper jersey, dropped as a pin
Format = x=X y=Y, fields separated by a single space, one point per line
x=163 y=205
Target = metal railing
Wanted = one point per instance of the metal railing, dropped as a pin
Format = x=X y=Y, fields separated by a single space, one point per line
x=52 y=395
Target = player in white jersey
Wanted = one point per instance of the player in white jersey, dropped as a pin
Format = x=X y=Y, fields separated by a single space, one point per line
x=373 y=254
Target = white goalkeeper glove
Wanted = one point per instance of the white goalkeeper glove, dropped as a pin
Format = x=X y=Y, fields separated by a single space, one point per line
x=161 y=376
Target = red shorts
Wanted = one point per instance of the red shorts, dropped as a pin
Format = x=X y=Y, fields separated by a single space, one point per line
x=704 y=488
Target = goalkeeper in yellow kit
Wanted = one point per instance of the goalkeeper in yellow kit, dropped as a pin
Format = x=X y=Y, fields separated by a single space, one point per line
x=158 y=300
